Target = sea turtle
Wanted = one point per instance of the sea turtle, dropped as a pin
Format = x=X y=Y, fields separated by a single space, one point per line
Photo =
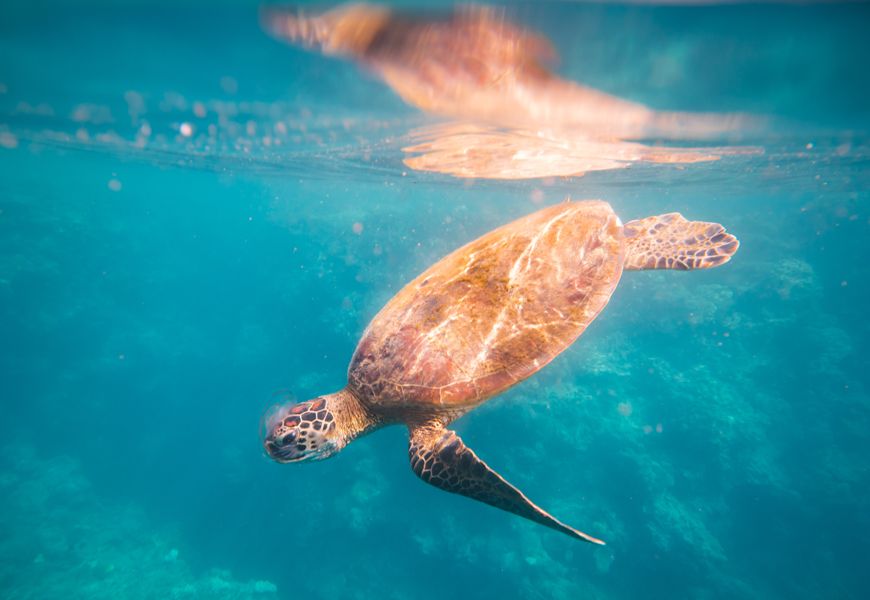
x=479 y=321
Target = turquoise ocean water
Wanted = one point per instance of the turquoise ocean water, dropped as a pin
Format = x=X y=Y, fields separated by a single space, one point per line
x=197 y=222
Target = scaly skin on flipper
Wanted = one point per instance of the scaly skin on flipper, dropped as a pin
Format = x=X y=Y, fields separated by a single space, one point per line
x=478 y=321
x=440 y=458
x=671 y=242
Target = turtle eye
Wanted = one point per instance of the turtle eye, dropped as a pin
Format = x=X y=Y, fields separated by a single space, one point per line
x=288 y=439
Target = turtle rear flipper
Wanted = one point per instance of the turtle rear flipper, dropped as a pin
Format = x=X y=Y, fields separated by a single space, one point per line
x=439 y=457
x=671 y=242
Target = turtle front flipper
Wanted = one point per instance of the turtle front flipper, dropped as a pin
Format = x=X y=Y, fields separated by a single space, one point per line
x=439 y=457
x=671 y=242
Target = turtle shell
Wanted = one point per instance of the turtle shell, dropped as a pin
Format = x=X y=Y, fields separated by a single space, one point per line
x=491 y=313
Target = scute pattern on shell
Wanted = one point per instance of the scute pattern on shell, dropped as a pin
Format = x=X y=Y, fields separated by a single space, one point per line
x=491 y=313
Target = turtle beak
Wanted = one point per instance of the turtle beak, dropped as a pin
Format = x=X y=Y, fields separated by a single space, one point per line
x=283 y=450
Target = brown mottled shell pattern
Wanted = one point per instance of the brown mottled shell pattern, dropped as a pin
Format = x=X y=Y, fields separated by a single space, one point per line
x=491 y=313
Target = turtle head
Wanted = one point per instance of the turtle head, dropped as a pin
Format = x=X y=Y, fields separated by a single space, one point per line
x=302 y=431
x=318 y=428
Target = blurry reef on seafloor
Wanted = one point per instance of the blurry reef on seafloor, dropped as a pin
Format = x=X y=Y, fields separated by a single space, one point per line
x=58 y=539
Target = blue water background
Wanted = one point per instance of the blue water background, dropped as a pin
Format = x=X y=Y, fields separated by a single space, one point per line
x=713 y=427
